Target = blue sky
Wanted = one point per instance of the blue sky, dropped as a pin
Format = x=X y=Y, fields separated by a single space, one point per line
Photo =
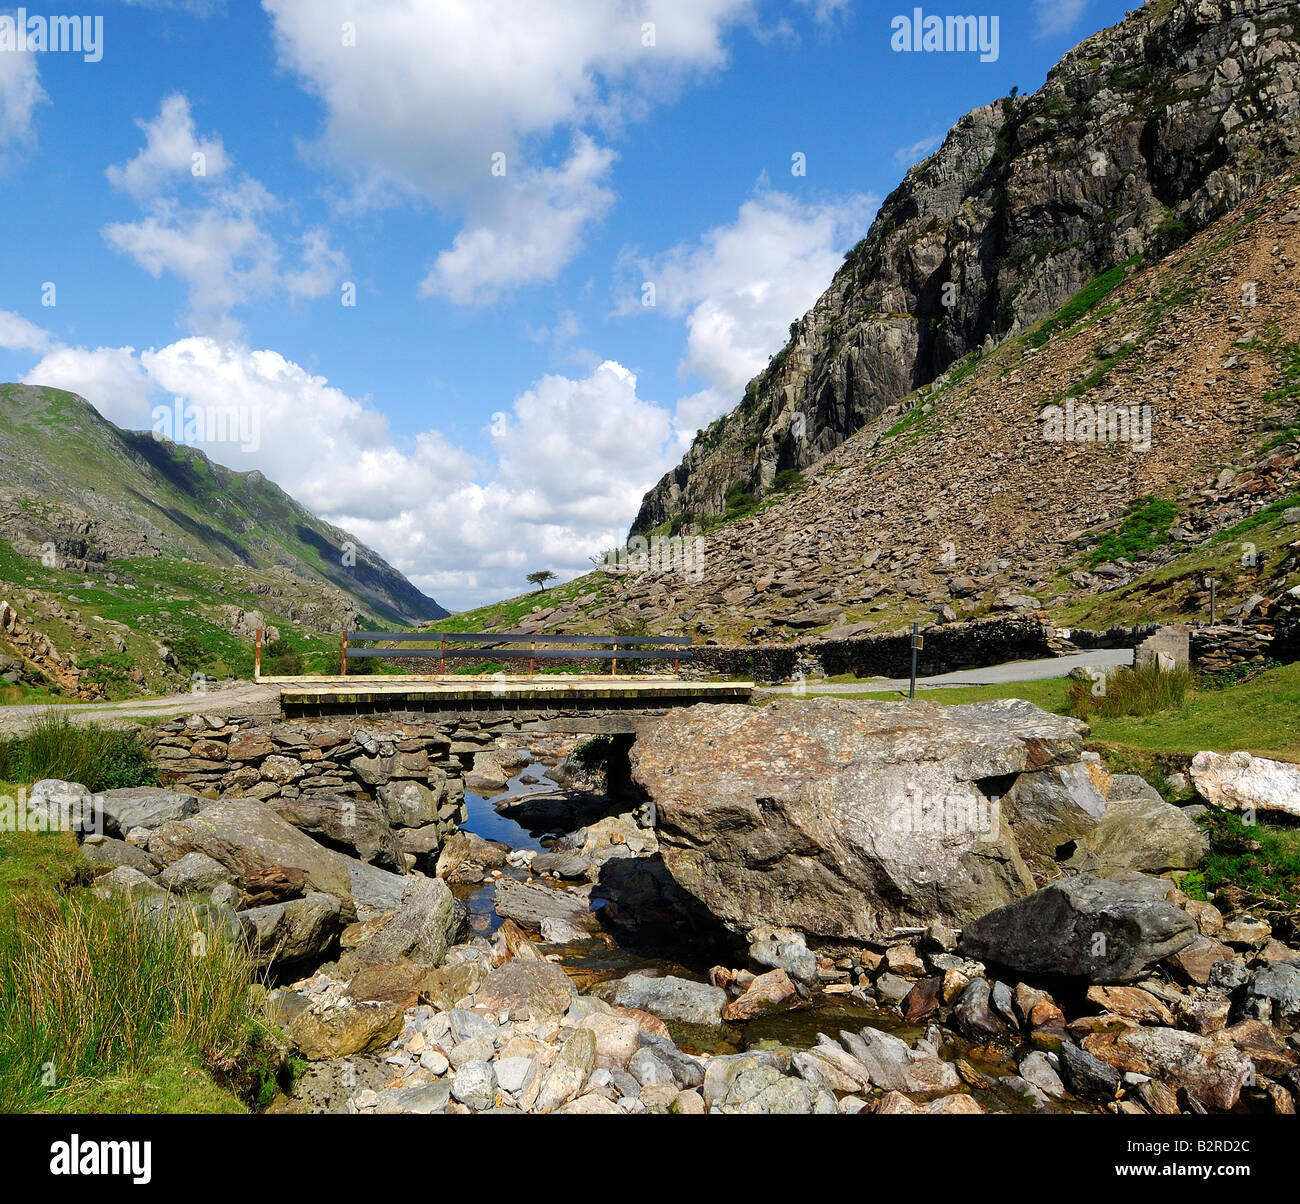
x=206 y=197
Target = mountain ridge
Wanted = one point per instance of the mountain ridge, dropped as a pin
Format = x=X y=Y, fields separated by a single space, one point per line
x=1141 y=136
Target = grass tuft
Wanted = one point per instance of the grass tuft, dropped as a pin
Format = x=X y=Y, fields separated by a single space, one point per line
x=100 y=758
x=1138 y=690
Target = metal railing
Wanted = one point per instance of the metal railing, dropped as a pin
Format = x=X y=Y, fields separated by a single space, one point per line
x=612 y=648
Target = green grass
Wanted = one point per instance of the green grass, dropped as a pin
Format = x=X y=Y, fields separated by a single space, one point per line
x=1254 y=866
x=1131 y=690
x=1261 y=716
x=101 y=1011
x=1145 y=527
x=1081 y=304
x=99 y=758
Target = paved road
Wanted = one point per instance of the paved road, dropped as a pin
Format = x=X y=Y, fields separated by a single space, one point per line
x=1039 y=670
x=245 y=698
x=238 y=698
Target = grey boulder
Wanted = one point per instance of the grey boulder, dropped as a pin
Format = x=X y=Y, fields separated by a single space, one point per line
x=1101 y=929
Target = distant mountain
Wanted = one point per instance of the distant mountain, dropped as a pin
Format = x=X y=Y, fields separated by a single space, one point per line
x=1141 y=136
x=99 y=494
x=1096 y=468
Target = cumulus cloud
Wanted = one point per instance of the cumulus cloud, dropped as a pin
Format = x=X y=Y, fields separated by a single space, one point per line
x=1055 y=17
x=111 y=378
x=742 y=284
x=18 y=334
x=172 y=149
x=419 y=97
x=529 y=234
x=20 y=93
x=570 y=459
x=219 y=241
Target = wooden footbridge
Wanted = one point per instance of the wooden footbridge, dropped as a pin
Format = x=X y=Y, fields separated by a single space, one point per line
x=533 y=693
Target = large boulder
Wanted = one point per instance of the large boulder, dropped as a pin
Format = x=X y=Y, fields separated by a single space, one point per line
x=54 y=804
x=1240 y=781
x=148 y=807
x=1141 y=832
x=356 y=826
x=422 y=928
x=292 y=932
x=1053 y=808
x=843 y=819
x=1101 y=929
x=246 y=837
x=672 y=998
x=528 y=904
x=542 y=988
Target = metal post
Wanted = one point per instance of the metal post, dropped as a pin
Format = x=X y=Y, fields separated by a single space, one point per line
x=677 y=672
x=613 y=660
x=343 y=658
x=532 y=657
x=916 y=635
x=257 y=657
x=442 y=659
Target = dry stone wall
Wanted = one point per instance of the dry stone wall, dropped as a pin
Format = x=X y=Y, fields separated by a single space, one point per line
x=954 y=646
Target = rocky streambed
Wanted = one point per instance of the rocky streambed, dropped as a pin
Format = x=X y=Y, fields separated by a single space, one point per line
x=817 y=907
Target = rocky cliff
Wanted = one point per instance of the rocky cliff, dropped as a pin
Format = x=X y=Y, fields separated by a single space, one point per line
x=1142 y=135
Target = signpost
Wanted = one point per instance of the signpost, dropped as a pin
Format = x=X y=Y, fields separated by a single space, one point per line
x=918 y=642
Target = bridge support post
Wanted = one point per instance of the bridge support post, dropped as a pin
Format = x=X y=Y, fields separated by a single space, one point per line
x=343 y=656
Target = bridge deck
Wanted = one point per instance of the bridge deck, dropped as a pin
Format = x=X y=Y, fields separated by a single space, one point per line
x=505 y=692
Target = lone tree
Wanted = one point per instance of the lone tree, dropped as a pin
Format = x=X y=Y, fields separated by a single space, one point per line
x=540 y=578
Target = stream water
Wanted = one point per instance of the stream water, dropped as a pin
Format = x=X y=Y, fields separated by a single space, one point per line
x=592 y=962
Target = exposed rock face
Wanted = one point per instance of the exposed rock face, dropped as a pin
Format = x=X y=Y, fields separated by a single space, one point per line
x=843 y=819
x=1104 y=930
x=1141 y=133
x=1240 y=781
x=355 y=825
x=246 y=836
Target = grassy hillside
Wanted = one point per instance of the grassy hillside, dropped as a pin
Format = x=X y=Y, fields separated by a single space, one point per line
x=97 y=491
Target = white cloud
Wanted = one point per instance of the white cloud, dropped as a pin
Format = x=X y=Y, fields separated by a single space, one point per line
x=529 y=234
x=428 y=93
x=20 y=93
x=111 y=378
x=742 y=284
x=825 y=11
x=570 y=465
x=171 y=145
x=18 y=334
x=221 y=245
x=1058 y=16
x=906 y=156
